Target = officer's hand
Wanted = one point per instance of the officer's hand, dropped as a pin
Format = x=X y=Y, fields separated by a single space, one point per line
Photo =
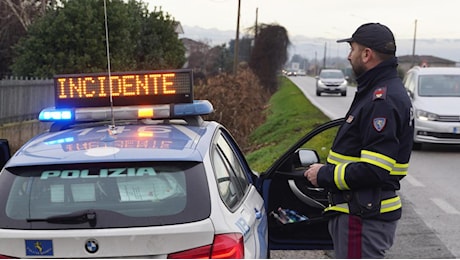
x=312 y=173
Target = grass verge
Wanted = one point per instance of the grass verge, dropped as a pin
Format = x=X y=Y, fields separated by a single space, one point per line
x=290 y=115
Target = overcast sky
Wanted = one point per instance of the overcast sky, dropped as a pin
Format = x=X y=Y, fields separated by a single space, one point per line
x=437 y=21
x=322 y=18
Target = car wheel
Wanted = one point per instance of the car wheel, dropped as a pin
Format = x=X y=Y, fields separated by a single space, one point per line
x=343 y=94
x=318 y=93
x=416 y=146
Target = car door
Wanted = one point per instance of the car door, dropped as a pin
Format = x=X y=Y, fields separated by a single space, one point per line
x=287 y=191
x=243 y=200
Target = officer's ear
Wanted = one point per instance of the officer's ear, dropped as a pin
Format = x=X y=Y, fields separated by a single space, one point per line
x=366 y=54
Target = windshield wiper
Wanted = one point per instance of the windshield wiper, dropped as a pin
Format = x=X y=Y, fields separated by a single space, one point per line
x=76 y=217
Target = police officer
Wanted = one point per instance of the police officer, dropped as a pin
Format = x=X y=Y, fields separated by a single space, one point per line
x=370 y=154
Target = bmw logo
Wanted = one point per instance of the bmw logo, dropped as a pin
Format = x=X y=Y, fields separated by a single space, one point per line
x=91 y=246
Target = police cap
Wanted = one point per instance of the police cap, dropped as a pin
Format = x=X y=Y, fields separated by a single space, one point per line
x=375 y=36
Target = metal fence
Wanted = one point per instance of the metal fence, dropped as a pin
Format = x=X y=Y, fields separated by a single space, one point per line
x=23 y=99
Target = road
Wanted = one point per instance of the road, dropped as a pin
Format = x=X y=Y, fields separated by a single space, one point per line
x=430 y=226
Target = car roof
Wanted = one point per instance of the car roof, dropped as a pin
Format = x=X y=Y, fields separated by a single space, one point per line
x=133 y=142
x=436 y=70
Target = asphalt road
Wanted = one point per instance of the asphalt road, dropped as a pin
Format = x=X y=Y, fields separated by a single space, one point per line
x=430 y=226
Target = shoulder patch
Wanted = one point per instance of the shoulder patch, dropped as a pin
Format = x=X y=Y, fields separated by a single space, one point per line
x=380 y=93
x=379 y=123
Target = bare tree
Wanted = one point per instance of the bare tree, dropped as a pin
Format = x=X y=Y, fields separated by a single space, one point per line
x=15 y=17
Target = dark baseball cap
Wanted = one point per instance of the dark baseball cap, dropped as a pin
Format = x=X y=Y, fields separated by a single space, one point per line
x=375 y=36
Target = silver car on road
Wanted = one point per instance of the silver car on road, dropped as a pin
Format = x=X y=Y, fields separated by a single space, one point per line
x=435 y=95
x=331 y=81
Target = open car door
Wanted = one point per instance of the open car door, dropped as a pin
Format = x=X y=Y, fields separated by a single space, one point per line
x=293 y=204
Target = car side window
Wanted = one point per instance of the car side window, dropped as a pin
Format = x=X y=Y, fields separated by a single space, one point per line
x=233 y=160
x=409 y=83
x=231 y=180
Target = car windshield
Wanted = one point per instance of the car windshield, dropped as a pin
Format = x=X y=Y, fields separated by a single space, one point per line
x=331 y=74
x=125 y=194
x=439 y=86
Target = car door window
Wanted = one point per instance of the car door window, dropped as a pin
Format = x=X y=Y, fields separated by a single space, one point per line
x=234 y=161
x=226 y=184
x=231 y=180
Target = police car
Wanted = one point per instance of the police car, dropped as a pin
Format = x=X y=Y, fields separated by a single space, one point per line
x=129 y=168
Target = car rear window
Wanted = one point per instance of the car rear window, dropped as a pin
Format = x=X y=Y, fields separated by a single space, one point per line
x=117 y=194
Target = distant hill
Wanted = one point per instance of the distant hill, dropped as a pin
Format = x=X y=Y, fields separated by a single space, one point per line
x=309 y=47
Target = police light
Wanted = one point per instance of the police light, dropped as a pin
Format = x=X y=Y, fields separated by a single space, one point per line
x=91 y=114
x=56 y=115
x=124 y=88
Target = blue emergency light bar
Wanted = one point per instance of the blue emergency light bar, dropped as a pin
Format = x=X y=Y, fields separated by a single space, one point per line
x=92 y=114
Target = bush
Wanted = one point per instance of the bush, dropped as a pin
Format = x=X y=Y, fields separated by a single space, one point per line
x=239 y=102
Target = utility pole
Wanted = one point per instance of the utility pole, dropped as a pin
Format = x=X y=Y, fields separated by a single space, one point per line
x=413 y=44
x=255 y=27
x=324 y=58
x=237 y=40
x=316 y=63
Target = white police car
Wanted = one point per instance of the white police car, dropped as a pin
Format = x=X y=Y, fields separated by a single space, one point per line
x=150 y=181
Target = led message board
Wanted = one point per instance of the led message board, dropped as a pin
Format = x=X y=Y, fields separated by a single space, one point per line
x=128 y=88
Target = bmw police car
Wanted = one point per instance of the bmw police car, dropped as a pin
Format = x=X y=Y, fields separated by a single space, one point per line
x=145 y=176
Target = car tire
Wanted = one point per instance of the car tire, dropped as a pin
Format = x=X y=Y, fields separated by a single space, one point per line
x=318 y=93
x=417 y=146
x=343 y=94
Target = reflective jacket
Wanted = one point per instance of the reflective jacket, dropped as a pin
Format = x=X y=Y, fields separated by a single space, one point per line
x=371 y=151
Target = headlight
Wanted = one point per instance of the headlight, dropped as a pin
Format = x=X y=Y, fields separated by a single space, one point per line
x=424 y=115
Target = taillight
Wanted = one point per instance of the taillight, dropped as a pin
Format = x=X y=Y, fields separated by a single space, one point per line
x=225 y=246
x=195 y=253
x=228 y=246
x=6 y=257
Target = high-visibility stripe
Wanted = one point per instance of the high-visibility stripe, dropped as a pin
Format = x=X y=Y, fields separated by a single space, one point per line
x=339 y=177
x=386 y=205
x=373 y=158
x=390 y=204
x=343 y=207
x=336 y=158
x=400 y=169
x=378 y=159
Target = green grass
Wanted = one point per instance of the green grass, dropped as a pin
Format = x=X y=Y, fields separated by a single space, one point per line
x=289 y=117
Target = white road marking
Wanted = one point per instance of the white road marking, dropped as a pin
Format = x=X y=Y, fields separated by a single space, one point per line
x=445 y=206
x=414 y=182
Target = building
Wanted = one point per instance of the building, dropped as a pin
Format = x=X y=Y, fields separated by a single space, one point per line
x=408 y=61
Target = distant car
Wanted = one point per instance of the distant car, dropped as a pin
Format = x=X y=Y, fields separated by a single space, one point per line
x=435 y=95
x=291 y=72
x=331 y=81
x=301 y=73
x=151 y=181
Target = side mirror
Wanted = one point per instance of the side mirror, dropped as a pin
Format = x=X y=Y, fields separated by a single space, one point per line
x=307 y=157
x=302 y=158
x=5 y=153
x=316 y=77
